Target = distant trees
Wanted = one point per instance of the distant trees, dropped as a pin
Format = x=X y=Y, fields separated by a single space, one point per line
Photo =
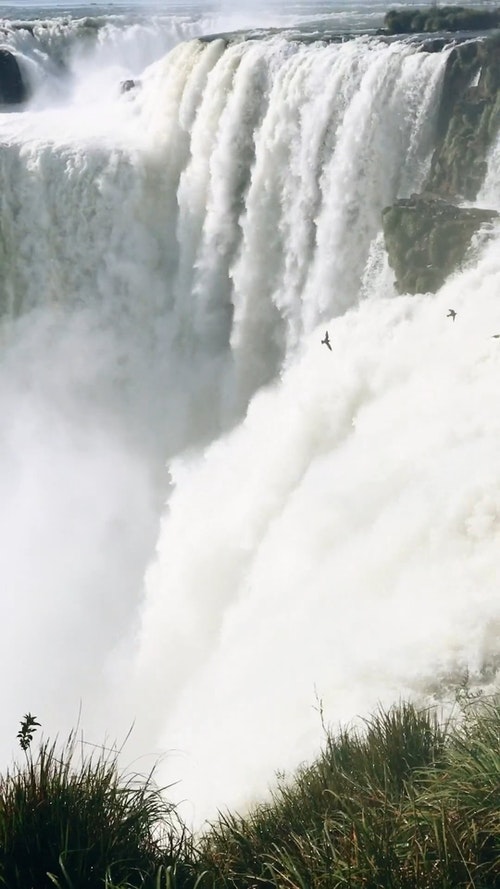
x=440 y=18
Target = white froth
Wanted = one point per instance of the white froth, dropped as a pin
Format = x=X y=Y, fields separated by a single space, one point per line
x=326 y=523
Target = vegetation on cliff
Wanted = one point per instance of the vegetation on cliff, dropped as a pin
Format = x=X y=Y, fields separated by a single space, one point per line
x=440 y=18
x=407 y=803
x=403 y=802
x=71 y=820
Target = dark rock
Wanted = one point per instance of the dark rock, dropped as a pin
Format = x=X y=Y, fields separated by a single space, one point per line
x=434 y=44
x=23 y=26
x=91 y=23
x=428 y=235
x=427 y=238
x=12 y=87
x=127 y=85
x=469 y=119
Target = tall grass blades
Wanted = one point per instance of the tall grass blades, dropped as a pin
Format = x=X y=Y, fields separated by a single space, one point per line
x=404 y=803
x=80 y=827
x=399 y=803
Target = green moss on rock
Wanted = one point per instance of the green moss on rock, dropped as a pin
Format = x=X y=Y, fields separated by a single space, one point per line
x=427 y=239
x=469 y=119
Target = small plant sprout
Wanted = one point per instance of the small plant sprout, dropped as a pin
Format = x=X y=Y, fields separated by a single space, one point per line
x=28 y=728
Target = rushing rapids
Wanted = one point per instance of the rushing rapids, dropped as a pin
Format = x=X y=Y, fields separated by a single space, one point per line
x=325 y=523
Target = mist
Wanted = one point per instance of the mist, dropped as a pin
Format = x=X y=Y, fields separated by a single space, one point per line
x=338 y=547
x=213 y=527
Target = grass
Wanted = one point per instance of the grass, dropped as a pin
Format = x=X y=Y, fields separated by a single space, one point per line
x=80 y=825
x=404 y=802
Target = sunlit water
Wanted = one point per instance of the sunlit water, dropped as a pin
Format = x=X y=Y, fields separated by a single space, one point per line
x=211 y=524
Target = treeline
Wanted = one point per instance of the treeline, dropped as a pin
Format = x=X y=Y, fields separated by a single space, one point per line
x=440 y=18
x=404 y=802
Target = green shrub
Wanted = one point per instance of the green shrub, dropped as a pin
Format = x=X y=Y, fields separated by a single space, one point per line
x=403 y=804
x=83 y=825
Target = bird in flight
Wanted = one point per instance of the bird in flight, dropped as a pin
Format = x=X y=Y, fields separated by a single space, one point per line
x=326 y=341
x=495 y=336
x=452 y=314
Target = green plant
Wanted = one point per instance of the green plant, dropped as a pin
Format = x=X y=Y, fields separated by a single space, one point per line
x=401 y=803
x=28 y=728
x=72 y=820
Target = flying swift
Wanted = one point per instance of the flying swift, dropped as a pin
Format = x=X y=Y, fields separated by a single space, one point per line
x=326 y=341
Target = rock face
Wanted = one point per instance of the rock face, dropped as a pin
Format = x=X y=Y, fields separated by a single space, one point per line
x=469 y=119
x=12 y=88
x=427 y=236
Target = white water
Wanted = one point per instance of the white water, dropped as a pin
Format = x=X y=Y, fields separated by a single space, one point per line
x=170 y=260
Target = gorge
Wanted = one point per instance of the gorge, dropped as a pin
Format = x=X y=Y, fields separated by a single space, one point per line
x=211 y=522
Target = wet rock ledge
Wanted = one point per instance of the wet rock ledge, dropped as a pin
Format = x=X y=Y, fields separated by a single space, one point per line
x=427 y=239
x=12 y=87
x=427 y=235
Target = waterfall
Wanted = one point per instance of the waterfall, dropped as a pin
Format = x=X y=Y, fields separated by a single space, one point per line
x=213 y=525
x=233 y=191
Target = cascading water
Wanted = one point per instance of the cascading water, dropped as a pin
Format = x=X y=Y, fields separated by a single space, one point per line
x=171 y=257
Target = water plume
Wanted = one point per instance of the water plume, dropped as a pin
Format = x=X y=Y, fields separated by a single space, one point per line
x=341 y=542
x=210 y=521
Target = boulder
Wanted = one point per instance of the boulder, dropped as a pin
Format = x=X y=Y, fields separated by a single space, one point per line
x=127 y=85
x=427 y=239
x=12 y=88
x=23 y=26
